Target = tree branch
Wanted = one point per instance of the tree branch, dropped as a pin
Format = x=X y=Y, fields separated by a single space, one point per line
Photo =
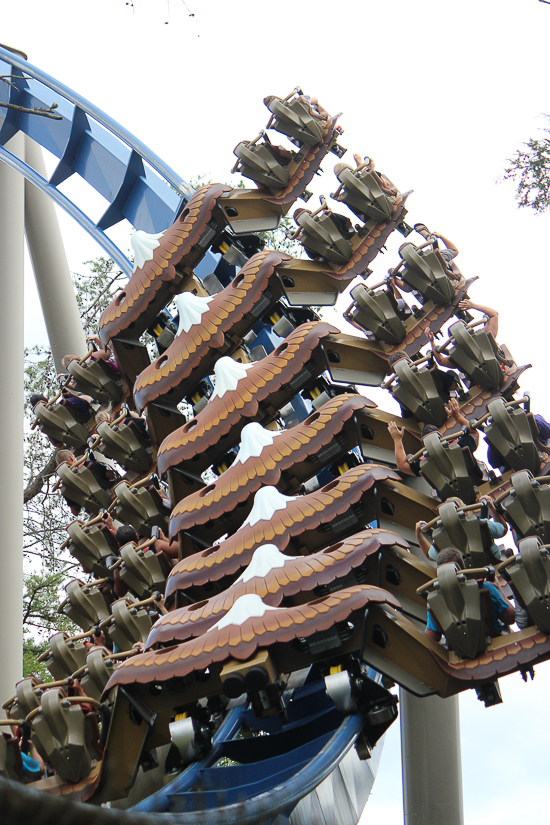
x=38 y=110
x=35 y=486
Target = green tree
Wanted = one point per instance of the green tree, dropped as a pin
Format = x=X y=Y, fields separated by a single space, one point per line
x=45 y=514
x=529 y=168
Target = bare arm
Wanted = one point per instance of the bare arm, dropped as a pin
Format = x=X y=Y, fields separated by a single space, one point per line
x=400 y=455
x=491 y=324
x=496 y=516
x=442 y=360
x=423 y=542
x=453 y=411
x=449 y=244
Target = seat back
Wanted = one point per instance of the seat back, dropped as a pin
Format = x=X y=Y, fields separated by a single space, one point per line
x=94 y=378
x=57 y=422
x=121 y=442
x=80 y=485
x=424 y=271
x=92 y=545
x=528 y=506
x=473 y=353
x=85 y=606
x=295 y=119
x=460 y=612
x=11 y=764
x=142 y=507
x=364 y=195
x=61 y=737
x=97 y=674
x=443 y=465
x=465 y=532
x=64 y=657
x=530 y=574
x=509 y=431
x=141 y=571
x=257 y=162
x=26 y=699
x=375 y=312
x=129 y=624
x=415 y=389
x=321 y=234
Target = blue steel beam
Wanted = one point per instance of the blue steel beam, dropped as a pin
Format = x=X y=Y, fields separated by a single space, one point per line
x=136 y=184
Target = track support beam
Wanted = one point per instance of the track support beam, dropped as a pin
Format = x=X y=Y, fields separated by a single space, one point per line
x=11 y=415
x=51 y=270
x=430 y=758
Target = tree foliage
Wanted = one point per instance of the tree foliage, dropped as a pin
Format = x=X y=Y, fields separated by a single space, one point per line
x=45 y=513
x=529 y=168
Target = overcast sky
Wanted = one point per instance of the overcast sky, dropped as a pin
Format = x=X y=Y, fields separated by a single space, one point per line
x=439 y=94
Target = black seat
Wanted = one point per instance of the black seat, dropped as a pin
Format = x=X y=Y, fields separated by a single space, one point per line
x=415 y=389
x=260 y=163
x=297 y=119
x=376 y=312
x=510 y=432
x=321 y=236
x=425 y=272
x=473 y=353
x=444 y=466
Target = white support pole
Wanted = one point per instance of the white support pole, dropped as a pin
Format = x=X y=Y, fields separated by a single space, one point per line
x=51 y=270
x=430 y=757
x=11 y=415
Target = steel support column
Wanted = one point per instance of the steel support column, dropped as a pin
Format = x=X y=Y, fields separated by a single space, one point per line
x=51 y=270
x=430 y=757
x=11 y=415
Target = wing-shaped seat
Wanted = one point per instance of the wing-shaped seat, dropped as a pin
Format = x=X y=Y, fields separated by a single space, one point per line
x=376 y=312
x=320 y=235
x=460 y=611
x=94 y=378
x=528 y=506
x=415 y=389
x=129 y=624
x=27 y=697
x=11 y=764
x=473 y=352
x=444 y=466
x=80 y=485
x=64 y=656
x=364 y=193
x=510 y=432
x=99 y=670
x=65 y=737
x=141 y=571
x=92 y=545
x=124 y=443
x=465 y=532
x=142 y=507
x=85 y=606
x=530 y=574
x=259 y=162
x=424 y=271
x=296 y=119
x=57 y=422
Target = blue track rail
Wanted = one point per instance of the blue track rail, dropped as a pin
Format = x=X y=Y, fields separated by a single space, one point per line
x=270 y=774
x=136 y=184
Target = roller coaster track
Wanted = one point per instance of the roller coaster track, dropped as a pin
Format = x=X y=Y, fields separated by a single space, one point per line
x=135 y=183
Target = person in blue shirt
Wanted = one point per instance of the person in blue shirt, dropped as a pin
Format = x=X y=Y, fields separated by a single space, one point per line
x=503 y=611
x=496 y=525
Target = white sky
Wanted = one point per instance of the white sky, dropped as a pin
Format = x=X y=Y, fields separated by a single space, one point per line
x=439 y=94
